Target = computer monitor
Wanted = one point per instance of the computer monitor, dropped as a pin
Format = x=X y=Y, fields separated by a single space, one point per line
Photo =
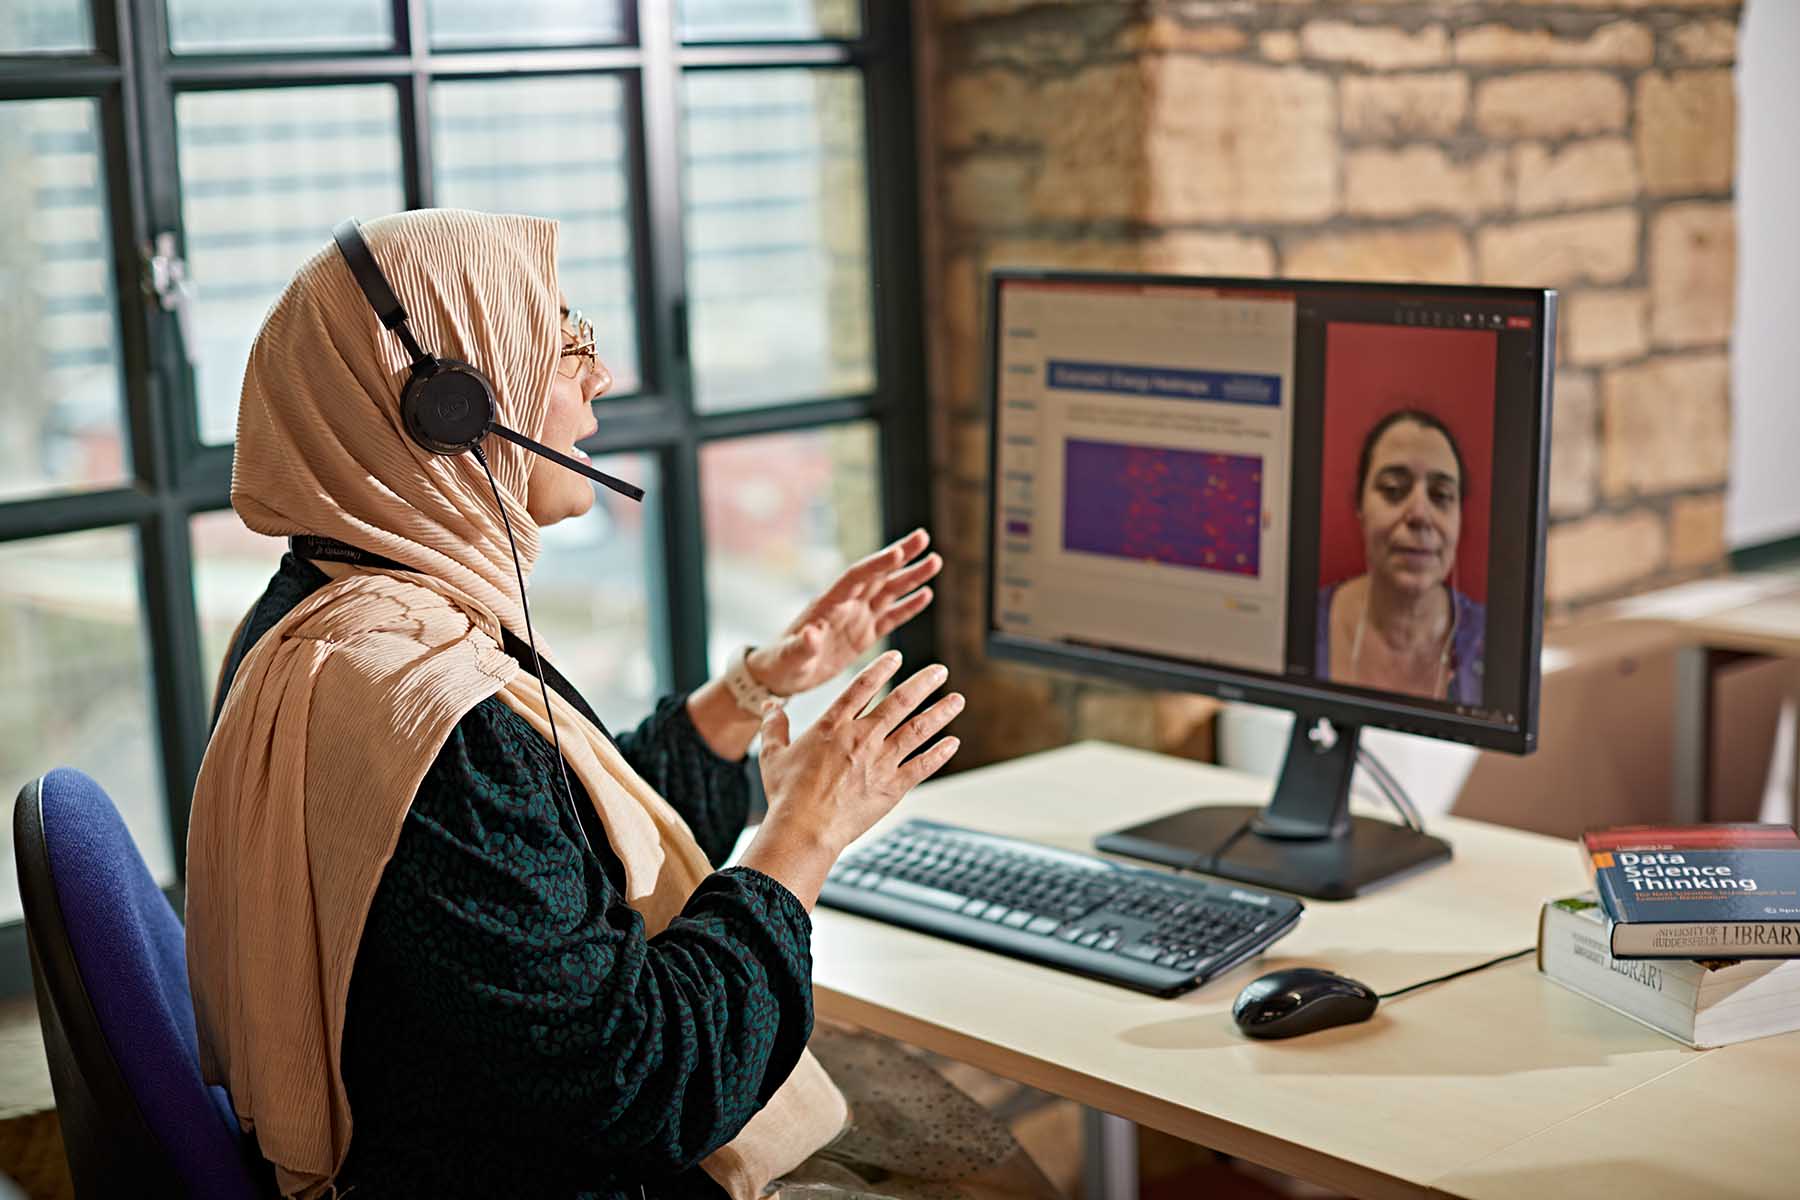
x=1327 y=497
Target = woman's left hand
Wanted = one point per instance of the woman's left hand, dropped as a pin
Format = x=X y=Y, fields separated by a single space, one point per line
x=869 y=600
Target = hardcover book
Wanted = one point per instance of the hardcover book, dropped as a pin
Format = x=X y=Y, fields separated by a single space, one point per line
x=1701 y=1003
x=1698 y=891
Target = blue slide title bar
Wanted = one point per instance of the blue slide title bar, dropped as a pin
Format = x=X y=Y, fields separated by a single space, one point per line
x=1224 y=387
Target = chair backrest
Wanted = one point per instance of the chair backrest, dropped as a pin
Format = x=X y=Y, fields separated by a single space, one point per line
x=110 y=968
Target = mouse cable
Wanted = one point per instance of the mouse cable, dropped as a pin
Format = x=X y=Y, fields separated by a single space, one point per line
x=1211 y=857
x=536 y=660
x=1391 y=786
x=1382 y=792
x=1492 y=962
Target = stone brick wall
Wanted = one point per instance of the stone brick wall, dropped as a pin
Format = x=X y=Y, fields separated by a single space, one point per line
x=1582 y=145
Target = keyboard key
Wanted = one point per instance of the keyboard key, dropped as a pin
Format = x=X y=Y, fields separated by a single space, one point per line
x=919 y=893
x=995 y=912
x=1017 y=919
x=1088 y=938
x=1142 y=952
x=1041 y=925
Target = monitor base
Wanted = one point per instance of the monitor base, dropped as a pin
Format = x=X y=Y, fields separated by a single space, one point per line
x=1304 y=841
x=1218 y=840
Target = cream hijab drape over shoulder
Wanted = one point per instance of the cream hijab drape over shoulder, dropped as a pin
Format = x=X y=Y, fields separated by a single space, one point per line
x=335 y=715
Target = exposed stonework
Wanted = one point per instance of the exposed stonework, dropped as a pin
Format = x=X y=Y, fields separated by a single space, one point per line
x=1579 y=144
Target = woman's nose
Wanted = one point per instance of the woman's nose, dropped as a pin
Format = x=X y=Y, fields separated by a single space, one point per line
x=599 y=378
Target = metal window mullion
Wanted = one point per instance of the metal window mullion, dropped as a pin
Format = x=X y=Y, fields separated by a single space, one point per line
x=664 y=310
x=415 y=104
x=51 y=515
x=786 y=418
x=129 y=220
x=164 y=405
x=180 y=686
x=22 y=79
x=900 y=382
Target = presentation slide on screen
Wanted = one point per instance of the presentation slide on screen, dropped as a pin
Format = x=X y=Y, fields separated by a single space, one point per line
x=1143 y=454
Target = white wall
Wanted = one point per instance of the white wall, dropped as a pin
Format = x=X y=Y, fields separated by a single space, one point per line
x=1763 y=503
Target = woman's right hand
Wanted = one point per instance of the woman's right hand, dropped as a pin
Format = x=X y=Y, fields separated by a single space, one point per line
x=845 y=772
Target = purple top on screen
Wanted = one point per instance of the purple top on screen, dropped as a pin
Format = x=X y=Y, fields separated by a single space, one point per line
x=1468 y=646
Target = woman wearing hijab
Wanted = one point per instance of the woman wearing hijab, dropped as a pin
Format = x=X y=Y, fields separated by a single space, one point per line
x=1402 y=626
x=420 y=966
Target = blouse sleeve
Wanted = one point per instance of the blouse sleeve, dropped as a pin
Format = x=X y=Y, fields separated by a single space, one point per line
x=502 y=968
x=712 y=794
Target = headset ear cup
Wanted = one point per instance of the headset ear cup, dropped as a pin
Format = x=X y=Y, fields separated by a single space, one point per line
x=447 y=407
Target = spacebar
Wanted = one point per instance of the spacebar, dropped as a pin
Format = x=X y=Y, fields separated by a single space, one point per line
x=918 y=893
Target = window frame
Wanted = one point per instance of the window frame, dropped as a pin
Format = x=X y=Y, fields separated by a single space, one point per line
x=174 y=476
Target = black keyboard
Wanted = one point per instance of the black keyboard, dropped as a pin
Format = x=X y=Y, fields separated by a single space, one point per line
x=1146 y=929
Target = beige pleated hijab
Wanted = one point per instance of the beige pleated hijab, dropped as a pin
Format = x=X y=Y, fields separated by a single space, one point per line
x=337 y=712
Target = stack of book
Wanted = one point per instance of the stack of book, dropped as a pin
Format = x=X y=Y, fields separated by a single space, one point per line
x=1693 y=930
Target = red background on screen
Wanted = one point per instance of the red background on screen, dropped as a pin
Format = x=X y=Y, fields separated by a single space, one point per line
x=1370 y=370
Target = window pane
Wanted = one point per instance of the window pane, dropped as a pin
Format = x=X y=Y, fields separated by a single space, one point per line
x=232 y=27
x=785 y=514
x=777 y=236
x=768 y=20
x=590 y=594
x=232 y=565
x=553 y=148
x=591 y=597
x=45 y=26
x=61 y=424
x=265 y=174
x=75 y=679
x=461 y=24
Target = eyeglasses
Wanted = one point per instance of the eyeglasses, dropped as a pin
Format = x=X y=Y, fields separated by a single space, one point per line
x=581 y=346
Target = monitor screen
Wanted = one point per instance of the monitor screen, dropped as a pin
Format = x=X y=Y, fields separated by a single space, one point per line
x=1324 y=496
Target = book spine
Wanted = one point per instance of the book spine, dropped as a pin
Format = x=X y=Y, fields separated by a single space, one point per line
x=1707 y=939
x=1605 y=881
x=1572 y=950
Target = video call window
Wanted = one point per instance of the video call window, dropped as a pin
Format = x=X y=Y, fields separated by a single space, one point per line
x=1403 y=518
x=1293 y=487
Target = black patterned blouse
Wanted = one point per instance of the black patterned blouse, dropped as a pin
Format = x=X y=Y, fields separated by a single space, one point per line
x=510 y=1030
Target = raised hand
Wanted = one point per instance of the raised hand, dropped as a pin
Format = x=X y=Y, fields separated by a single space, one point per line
x=846 y=771
x=869 y=601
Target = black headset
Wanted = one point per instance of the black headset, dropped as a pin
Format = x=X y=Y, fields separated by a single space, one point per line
x=447 y=406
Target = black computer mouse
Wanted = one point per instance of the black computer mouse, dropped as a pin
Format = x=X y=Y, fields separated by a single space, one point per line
x=1300 y=1000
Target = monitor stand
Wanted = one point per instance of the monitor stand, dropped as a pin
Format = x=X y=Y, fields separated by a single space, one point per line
x=1304 y=841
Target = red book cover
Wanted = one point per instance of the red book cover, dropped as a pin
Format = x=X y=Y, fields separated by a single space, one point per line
x=1723 y=836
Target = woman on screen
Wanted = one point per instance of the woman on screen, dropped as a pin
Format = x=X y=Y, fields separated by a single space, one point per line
x=1401 y=626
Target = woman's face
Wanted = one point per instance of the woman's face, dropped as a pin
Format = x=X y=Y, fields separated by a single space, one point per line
x=556 y=494
x=1411 y=508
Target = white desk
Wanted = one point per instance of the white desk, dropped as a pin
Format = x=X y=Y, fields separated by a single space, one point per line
x=1497 y=1085
x=1765 y=628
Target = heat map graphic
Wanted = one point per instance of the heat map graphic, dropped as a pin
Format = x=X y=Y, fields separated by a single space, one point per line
x=1185 y=508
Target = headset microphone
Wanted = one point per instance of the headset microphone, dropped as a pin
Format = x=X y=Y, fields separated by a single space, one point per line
x=447 y=405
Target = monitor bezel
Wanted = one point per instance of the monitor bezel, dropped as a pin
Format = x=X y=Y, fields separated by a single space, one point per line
x=1309 y=700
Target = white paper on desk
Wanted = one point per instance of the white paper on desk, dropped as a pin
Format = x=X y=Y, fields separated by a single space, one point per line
x=1703 y=597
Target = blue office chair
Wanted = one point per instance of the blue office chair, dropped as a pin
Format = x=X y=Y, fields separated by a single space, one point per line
x=110 y=969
